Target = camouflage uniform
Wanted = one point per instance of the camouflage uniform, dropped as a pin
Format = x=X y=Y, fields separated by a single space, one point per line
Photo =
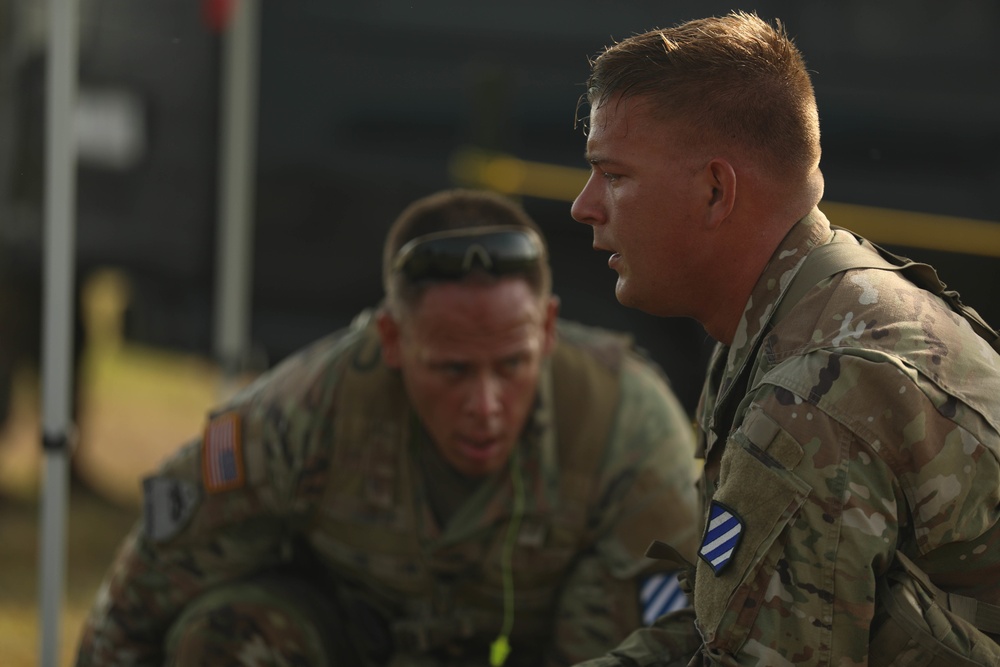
x=325 y=452
x=868 y=423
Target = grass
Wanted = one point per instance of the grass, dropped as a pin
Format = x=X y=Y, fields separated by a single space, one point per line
x=95 y=527
x=134 y=412
x=137 y=405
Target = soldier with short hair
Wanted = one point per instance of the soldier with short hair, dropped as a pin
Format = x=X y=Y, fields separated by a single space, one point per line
x=850 y=420
x=459 y=478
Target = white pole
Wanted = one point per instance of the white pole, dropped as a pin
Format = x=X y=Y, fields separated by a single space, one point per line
x=58 y=314
x=237 y=166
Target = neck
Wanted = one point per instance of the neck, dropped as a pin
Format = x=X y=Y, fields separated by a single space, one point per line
x=746 y=242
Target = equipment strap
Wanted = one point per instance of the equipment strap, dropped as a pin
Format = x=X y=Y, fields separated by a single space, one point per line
x=849 y=253
x=983 y=615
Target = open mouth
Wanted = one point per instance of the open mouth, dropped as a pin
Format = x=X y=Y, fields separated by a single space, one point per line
x=615 y=257
x=479 y=449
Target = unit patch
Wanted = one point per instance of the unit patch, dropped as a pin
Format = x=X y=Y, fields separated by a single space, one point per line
x=659 y=594
x=222 y=454
x=722 y=536
x=167 y=506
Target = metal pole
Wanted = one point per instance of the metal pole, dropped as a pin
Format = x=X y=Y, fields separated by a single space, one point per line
x=237 y=166
x=57 y=327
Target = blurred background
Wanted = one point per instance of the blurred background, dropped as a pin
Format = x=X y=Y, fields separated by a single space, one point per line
x=357 y=110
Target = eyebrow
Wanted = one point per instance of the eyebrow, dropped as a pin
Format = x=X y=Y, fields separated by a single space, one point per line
x=596 y=159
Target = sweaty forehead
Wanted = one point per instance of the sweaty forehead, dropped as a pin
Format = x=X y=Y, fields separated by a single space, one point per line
x=476 y=317
x=625 y=130
x=619 y=119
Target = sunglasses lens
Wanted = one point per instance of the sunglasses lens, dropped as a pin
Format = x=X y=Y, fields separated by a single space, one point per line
x=453 y=257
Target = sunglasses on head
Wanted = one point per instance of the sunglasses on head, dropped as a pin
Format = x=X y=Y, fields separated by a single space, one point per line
x=453 y=254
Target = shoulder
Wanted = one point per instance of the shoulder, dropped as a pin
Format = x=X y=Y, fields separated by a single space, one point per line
x=583 y=344
x=305 y=378
x=613 y=353
x=882 y=311
x=892 y=333
x=602 y=365
x=895 y=365
x=276 y=416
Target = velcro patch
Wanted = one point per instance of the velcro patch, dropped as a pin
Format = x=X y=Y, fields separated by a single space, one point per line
x=722 y=535
x=659 y=594
x=167 y=506
x=222 y=454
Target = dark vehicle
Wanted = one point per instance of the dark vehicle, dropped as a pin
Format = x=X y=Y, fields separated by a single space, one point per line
x=365 y=106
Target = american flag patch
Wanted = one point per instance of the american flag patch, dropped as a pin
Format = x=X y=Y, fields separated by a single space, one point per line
x=222 y=454
x=660 y=594
x=722 y=535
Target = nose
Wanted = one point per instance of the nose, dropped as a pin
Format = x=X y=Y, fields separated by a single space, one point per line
x=587 y=207
x=484 y=398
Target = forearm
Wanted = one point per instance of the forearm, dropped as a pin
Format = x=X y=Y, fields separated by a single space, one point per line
x=149 y=584
x=126 y=624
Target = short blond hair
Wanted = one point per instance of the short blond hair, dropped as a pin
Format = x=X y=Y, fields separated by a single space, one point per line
x=735 y=80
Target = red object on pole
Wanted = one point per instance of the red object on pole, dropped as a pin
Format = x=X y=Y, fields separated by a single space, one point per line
x=218 y=13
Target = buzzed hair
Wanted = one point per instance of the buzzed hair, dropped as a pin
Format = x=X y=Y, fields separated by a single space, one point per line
x=734 y=80
x=450 y=210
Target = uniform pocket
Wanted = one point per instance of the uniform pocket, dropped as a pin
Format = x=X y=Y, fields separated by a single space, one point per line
x=755 y=502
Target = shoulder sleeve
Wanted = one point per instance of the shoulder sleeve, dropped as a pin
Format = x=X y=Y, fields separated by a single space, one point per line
x=649 y=473
x=646 y=492
x=189 y=540
x=224 y=506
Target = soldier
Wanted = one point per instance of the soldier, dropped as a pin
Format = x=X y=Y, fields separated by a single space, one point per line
x=456 y=476
x=849 y=421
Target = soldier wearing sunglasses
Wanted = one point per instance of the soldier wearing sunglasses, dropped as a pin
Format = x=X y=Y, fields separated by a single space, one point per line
x=459 y=478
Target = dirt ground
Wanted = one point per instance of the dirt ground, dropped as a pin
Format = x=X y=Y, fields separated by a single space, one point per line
x=136 y=406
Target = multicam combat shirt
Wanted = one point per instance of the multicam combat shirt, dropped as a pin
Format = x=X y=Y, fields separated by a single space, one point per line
x=321 y=450
x=869 y=423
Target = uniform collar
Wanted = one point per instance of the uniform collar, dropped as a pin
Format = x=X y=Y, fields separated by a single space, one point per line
x=728 y=363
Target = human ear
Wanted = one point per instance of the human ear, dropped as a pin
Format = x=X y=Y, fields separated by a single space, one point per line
x=722 y=182
x=389 y=335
